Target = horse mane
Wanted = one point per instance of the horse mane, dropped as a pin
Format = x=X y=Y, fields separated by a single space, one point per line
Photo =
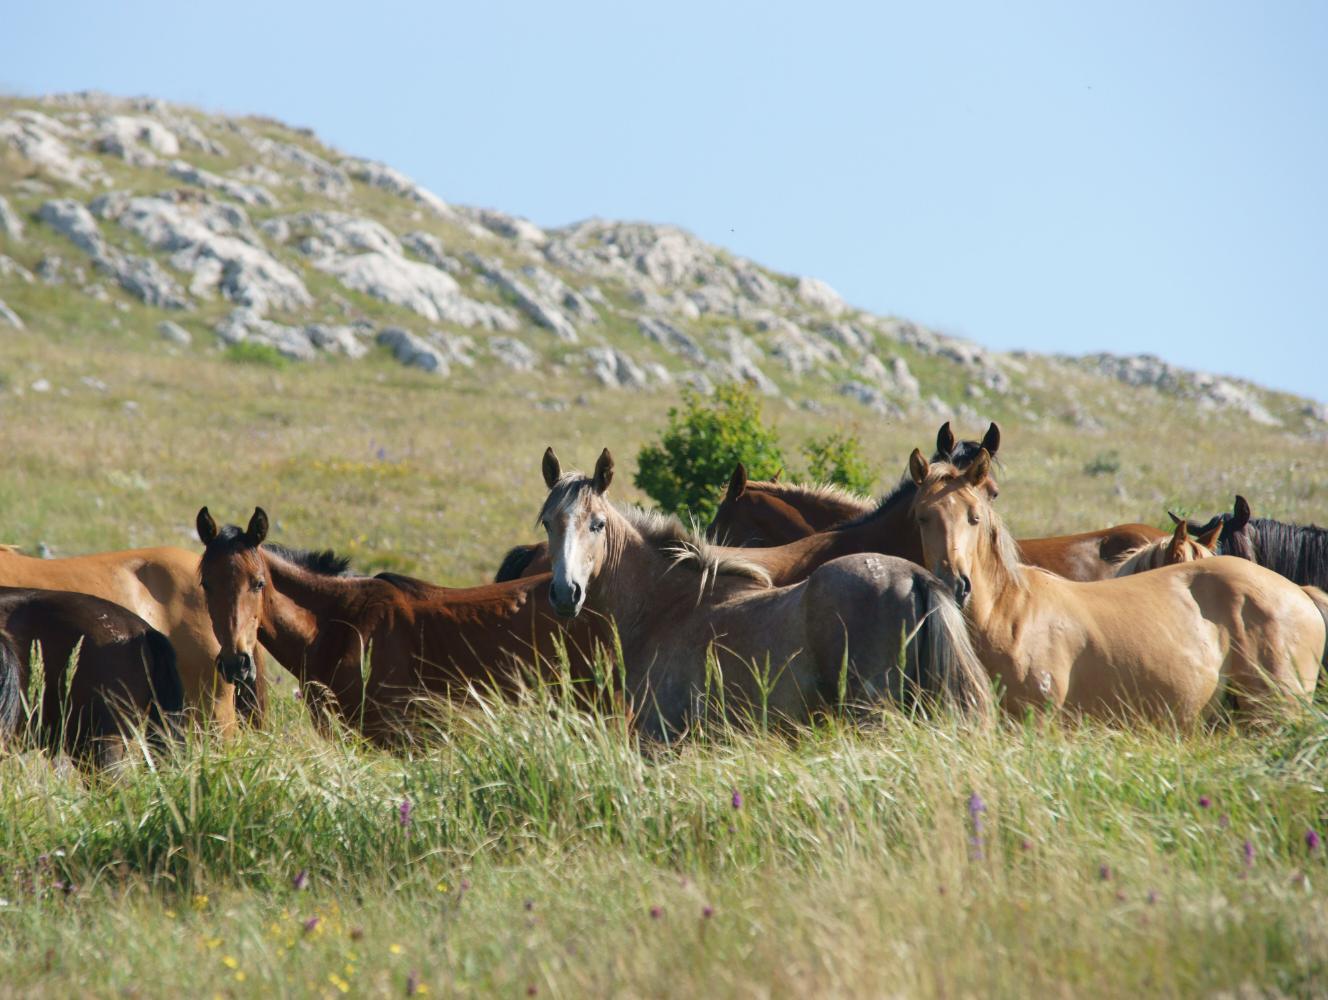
x=324 y=562
x=822 y=491
x=1002 y=542
x=1153 y=555
x=1297 y=551
x=904 y=491
x=663 y=532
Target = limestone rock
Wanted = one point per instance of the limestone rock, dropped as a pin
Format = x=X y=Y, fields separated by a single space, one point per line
x=380 y=175
x=425 y=290
x=245 y=194
x=247 y=325
x=39 y=139
x=9 y=317
x=413 y=351
x=135 y=139
x=615 y=369
x=513 y=353
x=11 y=224
x=817 y=294
x=174 y=333
x=671 y=338
x=544 y=313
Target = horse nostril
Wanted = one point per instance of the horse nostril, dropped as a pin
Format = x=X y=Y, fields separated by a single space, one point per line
x=576 y=593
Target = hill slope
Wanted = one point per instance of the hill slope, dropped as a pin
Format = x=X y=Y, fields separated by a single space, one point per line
x=150 y=216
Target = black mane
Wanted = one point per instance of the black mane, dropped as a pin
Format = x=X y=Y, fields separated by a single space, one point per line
x=1298 y=551
x=961 y=456
x=324 y=562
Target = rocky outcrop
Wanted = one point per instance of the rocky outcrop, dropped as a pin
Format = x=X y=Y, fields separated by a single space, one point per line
x=380 y=175
x=40 y=140
x=9 y=317
x=10 y=223
x=413 y=351
x=1210 y=391
x=542 y=311
x=245 y=194
x=135 y=139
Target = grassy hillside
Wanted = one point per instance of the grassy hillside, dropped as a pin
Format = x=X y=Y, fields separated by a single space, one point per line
x=545 y=854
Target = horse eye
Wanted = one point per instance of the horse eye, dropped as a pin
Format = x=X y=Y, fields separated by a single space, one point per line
x=258 y=584
x=973 y=518
x=597 y=526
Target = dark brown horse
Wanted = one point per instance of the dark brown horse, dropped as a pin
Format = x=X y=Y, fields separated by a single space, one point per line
x=366 y=648
x=770 y=513
x=124 y=672
x=1298 y=551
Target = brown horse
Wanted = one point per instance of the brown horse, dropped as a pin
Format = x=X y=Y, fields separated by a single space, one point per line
x=414 y=638
x=160 y=585
x=695 y=625
x=1171 y=644
x=1298 y=551
x=124 y=672
x=767 y=514
x=1179 y=548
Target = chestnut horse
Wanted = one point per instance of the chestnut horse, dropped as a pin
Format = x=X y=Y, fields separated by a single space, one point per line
x=1171 y=644
x=694 y=624
x=416 y=639
x=160 y=585
x=1179 y=548
x=124 y=672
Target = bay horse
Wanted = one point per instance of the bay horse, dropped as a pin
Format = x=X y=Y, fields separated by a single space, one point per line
x=1297 y=551
x=693 y=623
x=1171 y=644
x=160 y=585
x=124 y=672
x=770 y=513
x=415 y=639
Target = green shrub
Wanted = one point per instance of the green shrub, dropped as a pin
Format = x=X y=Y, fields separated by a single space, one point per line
x=837 y=458
x=249 y=352
x=687 y=471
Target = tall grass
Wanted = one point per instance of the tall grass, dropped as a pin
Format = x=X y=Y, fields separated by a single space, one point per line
x=542 y=847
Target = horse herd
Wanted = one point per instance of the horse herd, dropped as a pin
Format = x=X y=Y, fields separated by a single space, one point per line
x=798 y=599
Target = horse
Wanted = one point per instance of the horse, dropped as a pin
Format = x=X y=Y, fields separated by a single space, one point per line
x=160 y=585
x=693 y=624
x=1171 y=644
x=798 y=503
x=416 y=639
x=1179 y=548
x=1297 y=551
x=770 y=513
x=124 y=672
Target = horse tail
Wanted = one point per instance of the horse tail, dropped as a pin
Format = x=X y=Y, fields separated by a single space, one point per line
x=167 y=688
x=11 y=685
x=1320 y=599
x=946 y=663
x=515 y=562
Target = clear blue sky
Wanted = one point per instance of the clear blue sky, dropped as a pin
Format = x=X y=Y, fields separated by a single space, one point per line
x=1118 y=176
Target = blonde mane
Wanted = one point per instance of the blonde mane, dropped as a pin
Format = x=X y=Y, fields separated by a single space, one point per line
x=823 y=491
x=1002 y=542
x=1155 y=555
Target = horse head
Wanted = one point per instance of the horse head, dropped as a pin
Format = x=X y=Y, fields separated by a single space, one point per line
x=575 y=516
x=233 y=573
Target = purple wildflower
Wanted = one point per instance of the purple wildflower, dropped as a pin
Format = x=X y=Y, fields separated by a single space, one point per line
x=1104 y=872
x=1025 y=844
x=298 y=693
x=403 y=812
x=656 y=912
x=310 y=925
x=1248 y=850
x=464 y=885
x=737 y=799
x=976 y=807
x=530 y=905
x=382 y=454
x=1151 y=898
x=1205 y=802
x=707 y=911
x=1312 y=839
x=412 y=983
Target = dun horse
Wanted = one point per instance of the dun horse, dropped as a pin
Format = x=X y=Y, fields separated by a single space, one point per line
x=1174 y=643
x=124 y=672
x=160 y=585
x=695 y=625
x=417 y=639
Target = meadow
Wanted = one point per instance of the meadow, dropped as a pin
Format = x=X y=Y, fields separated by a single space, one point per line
x=531 y=849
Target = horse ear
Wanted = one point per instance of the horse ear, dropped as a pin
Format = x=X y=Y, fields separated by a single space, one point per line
x=778 y=472
x=1175 y=519
x=1241 y=515
x=552 y=468
x=257 y=529
x=206 y=526
x=603 y=471
x=1176 y=546
x=992 y=439
x=1209 y=538
x=918 y=465
x=945 y=440
x=980 y=469
x=738 y=482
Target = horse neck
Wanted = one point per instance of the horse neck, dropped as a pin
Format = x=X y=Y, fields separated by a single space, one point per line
x=890 y=530
x=1298 y=552
x=628 y=582
x=819 y=508
x=997 y=597
x=296 y=604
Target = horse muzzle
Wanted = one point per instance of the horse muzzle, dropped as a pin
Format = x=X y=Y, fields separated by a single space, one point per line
x=237 y=669
x=567 y=601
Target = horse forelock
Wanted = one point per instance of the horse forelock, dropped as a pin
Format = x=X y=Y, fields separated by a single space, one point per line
x=1003 y=546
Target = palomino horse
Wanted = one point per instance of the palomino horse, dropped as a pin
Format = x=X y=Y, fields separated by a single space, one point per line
x=124 y=671
x=160 y=585
x=1173 y=643
x=883 y=528
x=1298 y=551
x=1179 y=548
x=693 y=625
x=767 y=514
x=417 y=639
